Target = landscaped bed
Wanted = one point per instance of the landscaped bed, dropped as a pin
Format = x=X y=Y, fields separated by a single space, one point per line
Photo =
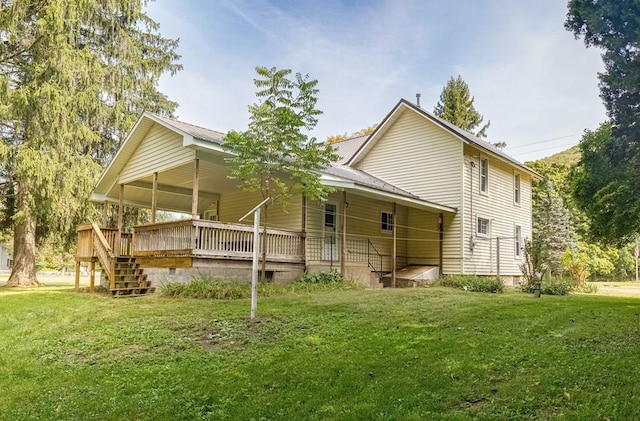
x=411 y=354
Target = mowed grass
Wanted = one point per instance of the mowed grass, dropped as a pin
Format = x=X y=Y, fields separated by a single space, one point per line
x=412 y=354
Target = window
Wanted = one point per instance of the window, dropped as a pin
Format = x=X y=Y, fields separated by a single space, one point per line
x=483 y=227
x=516 y=189
x=518 y=242
x=484 y=175
x=330 y=215
x=386 y=221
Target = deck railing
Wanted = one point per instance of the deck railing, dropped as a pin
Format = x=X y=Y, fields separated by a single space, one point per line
x=203 y=238
x=85 y=249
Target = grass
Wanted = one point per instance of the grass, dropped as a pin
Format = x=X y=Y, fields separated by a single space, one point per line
x=412 y=354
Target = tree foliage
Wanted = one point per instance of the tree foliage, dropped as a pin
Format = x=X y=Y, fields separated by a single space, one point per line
x=610 y=165
x=553 y=228
x=456 y=106
x=73 y=77
x=362 y=132
x=275 y=156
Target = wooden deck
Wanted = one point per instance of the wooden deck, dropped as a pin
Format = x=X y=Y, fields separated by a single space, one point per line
x=191 y=238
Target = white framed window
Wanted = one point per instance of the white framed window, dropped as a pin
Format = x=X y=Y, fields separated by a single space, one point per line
x=330 y=216
x=386 y=221
x=483 y=227
x=484 y=175
x=518 y=241
x=516 y=189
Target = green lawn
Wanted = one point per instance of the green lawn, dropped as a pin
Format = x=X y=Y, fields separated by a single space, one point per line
x=412 y=354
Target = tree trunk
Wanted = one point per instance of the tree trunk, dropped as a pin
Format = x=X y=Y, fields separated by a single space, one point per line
x=23 y=273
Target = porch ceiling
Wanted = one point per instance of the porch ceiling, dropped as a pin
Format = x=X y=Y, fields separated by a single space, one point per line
x=175 y=187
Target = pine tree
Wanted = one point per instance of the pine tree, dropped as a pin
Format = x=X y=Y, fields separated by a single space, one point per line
x=456 y=106
x=73 y=77
x=552 y=227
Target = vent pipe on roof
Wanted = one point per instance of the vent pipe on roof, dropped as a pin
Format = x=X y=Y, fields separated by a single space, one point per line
x=418 y=99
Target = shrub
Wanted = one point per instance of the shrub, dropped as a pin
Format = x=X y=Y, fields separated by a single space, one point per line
x=321 y=278
x=551 y=286
x=472 y=283
x=206 y=287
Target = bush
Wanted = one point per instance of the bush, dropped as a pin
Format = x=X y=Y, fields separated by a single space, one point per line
x=552 y=286
x=206 y=287
x=321 y=278
x=471 y=283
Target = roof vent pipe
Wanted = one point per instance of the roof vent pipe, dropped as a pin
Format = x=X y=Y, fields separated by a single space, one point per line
x=418 y=99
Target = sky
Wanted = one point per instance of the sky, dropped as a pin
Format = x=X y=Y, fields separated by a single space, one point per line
x=529 y=76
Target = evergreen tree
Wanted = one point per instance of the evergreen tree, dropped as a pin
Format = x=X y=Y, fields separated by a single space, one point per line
x=552 y=227
x=73 y=77
x=456 y=106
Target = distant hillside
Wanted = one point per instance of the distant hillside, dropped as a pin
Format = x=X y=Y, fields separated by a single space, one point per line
x=568 y=157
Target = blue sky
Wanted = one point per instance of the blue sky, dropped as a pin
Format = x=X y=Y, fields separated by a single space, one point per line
x=529 y=76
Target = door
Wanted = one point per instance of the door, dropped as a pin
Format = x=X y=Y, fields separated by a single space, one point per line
x=329 y=233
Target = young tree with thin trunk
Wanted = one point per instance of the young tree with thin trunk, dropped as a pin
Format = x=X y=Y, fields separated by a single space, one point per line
x=275 y=156
x=73 y=77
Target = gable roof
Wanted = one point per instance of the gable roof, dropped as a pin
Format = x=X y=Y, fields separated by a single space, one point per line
x=348 y=147
x=466 y=137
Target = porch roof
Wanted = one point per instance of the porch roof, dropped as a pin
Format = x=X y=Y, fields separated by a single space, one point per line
x=174 y=190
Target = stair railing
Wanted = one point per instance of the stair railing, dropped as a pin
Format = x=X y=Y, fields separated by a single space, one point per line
x=374 y=259
x=104 y=253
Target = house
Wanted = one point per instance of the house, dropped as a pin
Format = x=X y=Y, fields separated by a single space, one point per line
x=417 y=198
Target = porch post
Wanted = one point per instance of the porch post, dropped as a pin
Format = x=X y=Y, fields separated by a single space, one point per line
x=154 y=198
x=343 y=239
x=395 y=245
x=304 y=229
x=77 y=279
x=92 y=278
x=116 y=246
x=441 y=234
x=104 y=213
x=194 y=196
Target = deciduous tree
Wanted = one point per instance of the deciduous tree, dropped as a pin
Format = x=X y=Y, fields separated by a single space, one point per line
x=608 y=172
x=275 y=156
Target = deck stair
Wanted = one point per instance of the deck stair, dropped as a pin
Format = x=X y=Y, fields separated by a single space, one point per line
x=129 y=279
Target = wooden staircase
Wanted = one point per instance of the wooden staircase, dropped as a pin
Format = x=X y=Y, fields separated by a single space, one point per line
x=128 y=279
x=123 y=273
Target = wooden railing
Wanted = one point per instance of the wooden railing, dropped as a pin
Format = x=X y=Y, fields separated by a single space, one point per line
x=104 y=253
x=203 y=238
x=85 y=247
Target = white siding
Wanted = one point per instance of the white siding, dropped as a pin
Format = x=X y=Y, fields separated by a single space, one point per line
x=234 y=205
x=422 y=158
x=499 y=207
x=160 y=150
x=363 y=223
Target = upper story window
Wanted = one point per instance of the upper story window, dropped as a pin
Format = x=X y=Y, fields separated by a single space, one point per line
x=518 y=242
x=386 y=221
x=483 y=227
x=516 y=189
x=484 y=175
